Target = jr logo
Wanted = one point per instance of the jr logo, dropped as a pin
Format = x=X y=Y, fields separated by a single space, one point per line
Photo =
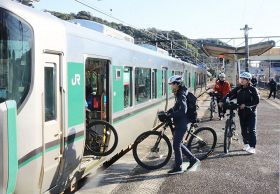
x=76 y=80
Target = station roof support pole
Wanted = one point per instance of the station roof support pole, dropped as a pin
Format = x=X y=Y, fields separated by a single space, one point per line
x=246 y=29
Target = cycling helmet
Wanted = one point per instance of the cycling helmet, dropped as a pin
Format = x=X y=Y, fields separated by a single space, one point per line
x=246 y=75
x=175 y=79
x=222 y=75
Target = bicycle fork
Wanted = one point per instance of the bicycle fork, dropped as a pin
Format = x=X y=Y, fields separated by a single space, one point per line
x=155 y=148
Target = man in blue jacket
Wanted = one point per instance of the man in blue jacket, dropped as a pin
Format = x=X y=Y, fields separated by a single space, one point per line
x=178 y=113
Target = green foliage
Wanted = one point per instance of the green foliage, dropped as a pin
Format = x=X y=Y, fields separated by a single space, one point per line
x=182 y=47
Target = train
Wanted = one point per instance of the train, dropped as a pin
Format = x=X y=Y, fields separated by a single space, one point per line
x=48 y=69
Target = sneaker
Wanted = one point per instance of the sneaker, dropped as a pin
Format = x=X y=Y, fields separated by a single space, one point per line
x=246 y=147
x=194 y=164
x=251 y=150
x=176 y=171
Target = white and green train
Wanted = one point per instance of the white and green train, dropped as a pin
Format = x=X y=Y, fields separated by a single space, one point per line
x=48 y=67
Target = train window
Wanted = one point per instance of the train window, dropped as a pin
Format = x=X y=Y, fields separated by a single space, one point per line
x=178 y=73
x=50 y=93
x=154 y=83
x=118 y=74
x=142 y=84
x=189 y=79
x=164 y=74
x=16 y=40
x=186 y=78
x=127 y=84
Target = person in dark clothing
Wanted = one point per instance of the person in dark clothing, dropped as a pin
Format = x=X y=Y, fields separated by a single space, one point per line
x=254 y=81
x=248 y=99
x=178 y=113
x=272 y=87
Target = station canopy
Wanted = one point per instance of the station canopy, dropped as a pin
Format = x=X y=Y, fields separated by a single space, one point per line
x=228 y=52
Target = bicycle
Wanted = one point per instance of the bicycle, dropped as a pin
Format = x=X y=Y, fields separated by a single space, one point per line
x=101 y=137
x=230 y=125
x=152 y=149
x=212 y=108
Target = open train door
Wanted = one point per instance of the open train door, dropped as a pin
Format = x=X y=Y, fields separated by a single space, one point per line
x=98 y=88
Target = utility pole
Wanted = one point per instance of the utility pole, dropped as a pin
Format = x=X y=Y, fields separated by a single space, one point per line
x=246 y=29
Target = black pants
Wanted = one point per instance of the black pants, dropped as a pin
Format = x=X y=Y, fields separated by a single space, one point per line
x=178 y=146
x=272 y=91
x=221 y=110
x=248 y=128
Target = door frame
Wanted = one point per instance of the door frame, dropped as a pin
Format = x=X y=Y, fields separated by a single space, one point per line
x=60 y=107
x=109 y=80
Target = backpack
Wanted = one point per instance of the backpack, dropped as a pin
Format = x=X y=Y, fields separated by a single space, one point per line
x=191 y=111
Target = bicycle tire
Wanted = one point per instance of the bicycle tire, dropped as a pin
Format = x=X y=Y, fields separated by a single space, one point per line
x=200 y=148
x=227 y=137
x=212 y=109
x=99 y=144
x=147 y=155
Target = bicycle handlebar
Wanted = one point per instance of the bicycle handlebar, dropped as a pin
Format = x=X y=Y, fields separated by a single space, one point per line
x=233 y=106
x=215 y=94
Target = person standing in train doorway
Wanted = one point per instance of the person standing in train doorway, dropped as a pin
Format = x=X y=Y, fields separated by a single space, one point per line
x=247 y=98
x=178 y=113
x=272 y=87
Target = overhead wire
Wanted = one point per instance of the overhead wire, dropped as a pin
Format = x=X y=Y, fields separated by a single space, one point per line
x=161 y=36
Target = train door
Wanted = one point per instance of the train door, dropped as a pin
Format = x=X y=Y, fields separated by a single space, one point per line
x=97 y=88
x=154 y=83
x=52 y=129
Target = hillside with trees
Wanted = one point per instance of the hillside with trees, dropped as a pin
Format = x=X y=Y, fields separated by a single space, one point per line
x=175 y=43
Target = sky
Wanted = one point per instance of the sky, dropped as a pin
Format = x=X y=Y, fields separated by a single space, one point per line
x=192 y=18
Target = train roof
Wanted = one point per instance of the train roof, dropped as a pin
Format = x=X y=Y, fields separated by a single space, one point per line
x=35 y=17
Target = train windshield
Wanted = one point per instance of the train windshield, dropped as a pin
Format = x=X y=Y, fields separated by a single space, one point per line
x=16 y=40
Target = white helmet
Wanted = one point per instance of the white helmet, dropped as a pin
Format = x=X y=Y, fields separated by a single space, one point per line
x=175 y=79
x=222 y=75
x=246 y=75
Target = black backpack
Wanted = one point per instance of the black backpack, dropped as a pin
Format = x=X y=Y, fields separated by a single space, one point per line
x=192 y=107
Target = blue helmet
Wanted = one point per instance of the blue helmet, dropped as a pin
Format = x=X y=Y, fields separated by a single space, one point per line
x=246 y=75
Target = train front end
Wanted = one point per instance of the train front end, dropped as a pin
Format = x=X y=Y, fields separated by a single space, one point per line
x=15 y=77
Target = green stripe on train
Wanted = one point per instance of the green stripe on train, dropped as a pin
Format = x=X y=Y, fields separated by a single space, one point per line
x=38 y=155
x=76 y=93
x=12 y=146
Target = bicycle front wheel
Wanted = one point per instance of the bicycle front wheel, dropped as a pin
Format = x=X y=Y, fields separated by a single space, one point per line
x=212 y=109
x=152 y=150
x=227 y=136
x=202 y=142
x=101 y=138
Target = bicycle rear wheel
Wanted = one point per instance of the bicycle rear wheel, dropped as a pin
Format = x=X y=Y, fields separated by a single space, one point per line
x=101 y=138
x=152 y=150
x=202 y=142
x=227 y=136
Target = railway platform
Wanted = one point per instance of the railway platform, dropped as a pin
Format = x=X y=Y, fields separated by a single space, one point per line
x=235 y=172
